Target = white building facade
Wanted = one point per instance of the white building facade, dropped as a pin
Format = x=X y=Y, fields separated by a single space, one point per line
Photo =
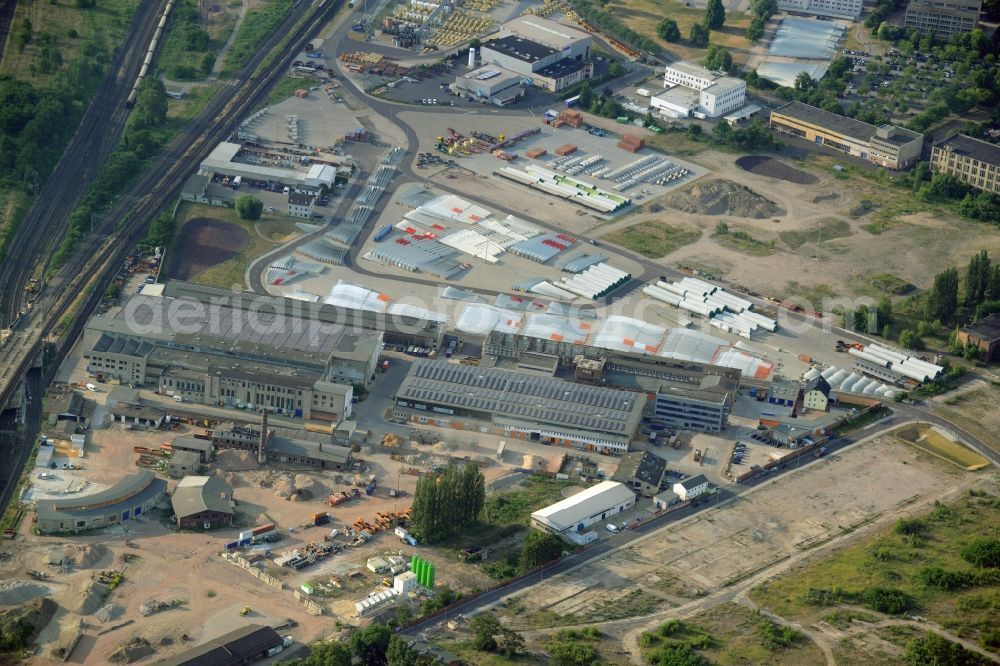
x=694 y=90
x=691 y=488
x=836 y=8
x=593 y=505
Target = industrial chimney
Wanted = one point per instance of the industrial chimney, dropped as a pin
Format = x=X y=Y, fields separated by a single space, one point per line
x=262 y=444
x=472 y=57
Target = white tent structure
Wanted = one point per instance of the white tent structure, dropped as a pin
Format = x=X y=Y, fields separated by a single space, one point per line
x=349 y=295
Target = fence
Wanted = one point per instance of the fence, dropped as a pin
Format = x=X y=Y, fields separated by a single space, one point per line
x=254 y=571
x=311 y=606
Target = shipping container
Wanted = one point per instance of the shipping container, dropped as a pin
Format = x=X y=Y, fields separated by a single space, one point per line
x=263 y=529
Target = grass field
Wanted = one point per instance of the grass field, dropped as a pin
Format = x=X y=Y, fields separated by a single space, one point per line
x=733 y=634
x=13 y=206
x=741 y=241
x=257 y=24
x=920 y=558
x=265 y=235
x=930 y=441
x=177 y=59
x=65 y=28
x=829 y=230
x=643 y=15
x=977 y=412
x=676 y=143
x=654 y=238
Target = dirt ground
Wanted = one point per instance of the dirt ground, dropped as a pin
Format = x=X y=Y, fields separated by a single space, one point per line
x=207 y=242
x=715 y=548
x=772 y=168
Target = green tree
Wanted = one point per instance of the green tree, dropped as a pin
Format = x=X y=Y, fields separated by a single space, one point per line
x=586 y=95
x=942 y=299
x=667 y=30
x=249 y=207
x=615 y=69
x=572 y=653
x=804 y=82
x=910 y=339
x=445 y=504
x=539 y=548
x=150 y=104
x=399 y=653
x=699 y=35
x=715 y=14
x=371 y=644
x=325 y=653
x=677 y=654
x=723 y=132
x=718 y=57
x=977 y=278
x=934 y=649
x=489 y=635
x=756 y=29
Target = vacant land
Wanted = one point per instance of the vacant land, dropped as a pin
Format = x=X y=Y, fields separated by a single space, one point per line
x=772 y=168
x=643 y=15
x=654 y=238
x=723 y=197
x=243 y=240
x=976 y=411
x=742 y=241
x=916 y=564
x=929 y=440
x=732 y=634
x=823 y=230
x=206 y=242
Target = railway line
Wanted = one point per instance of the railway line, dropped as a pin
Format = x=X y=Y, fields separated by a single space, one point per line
x=100 y=129
x=7 y=8
x=101 y=253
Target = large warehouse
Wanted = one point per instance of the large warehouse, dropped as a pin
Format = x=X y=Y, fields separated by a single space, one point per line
x=549 y=54
x=129 y=498
x=521 y=405
x=593 y=505
x=213 y=354
x=886 y=145
x=223 y=160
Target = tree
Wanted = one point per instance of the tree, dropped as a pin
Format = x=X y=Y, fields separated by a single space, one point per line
x=615 y=69
x=756 y=29
x=150 y=104
x=572 y=653
x=910 y=339
x=325 y=653
x=667 y=30
x=399 y=653
x=977 y=278
x=982 y=552
x=475 y=43
x=718 y=57
x=445 y=504
x=699 y=35
x=586 y=95
x=489 y=635
x=942 y=299
x=932 y=648
x=677 y=654
x=371 y=644
x=723 y=132
x=715 y=14
x=804 y=82
x=249 y=207
x=539 y=548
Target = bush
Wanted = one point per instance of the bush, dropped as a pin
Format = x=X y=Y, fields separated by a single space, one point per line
x=940 y=579
x=939 y=651
x=775 y=635
x=680 y=654
x=667 y=30
x=249 y=207
x=982 y=552
x=908 y=526
x=886 y=600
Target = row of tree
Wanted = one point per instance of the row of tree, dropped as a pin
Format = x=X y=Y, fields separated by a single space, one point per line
x=445 y=504
x=610 y=25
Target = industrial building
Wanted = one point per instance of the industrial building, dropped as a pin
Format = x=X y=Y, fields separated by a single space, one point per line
x=223 y=161
x=983 y=335
x=691 y=487
x=546 y=53
x=886 y=145
x=973 y=161
x=200 y=447
x=202 y=502
x=601 y=502
x=491 y=84
x=694 y=90
x=846 y=9
x=247 y=645
x=214 y=354
x=129 y=498
x=816 y=394
x=642 y=471
x=283 y=446
x=521 y=405
x=183 y=463
x=944 y=18
x=704 y=407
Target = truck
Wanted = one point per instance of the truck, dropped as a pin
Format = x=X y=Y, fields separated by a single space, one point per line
x=263 y=529
x=820 y=452
x=237 y=182
x=572 y=101
x=370 y=488
x=405 y=536
x=321 y=518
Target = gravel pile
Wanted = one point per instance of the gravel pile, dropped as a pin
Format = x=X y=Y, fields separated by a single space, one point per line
x=109 y=613
x=16 y=592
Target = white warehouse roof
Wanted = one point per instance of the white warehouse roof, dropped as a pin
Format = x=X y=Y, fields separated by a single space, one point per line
x=564 y=515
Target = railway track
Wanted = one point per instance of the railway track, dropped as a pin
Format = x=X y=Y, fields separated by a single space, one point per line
x=100 y=254
x=100 y=129
x=7 y=8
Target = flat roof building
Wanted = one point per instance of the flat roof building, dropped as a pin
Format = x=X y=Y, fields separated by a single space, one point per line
x=202 y=502
x=944 y=18
x=491 y=85
x=886 y=145
x=130 y=498
x=593 y=505
x=522 y=405
x=973 y=161
x=845 y=9
x=201 y=447
x=693 y=90
x=545 y=52
x=224 y=160
x=183 y=463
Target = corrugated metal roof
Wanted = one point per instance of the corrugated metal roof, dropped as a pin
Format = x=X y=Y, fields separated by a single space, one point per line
x=594 y=500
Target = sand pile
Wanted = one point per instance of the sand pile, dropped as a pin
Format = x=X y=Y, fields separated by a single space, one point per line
x=234 y=480
x=109 y=613
x=723 y=197
x=89 y=556
x=235 y=461
x=133 y=650
x=16 y=592
x=88 y=597
x=309 y=487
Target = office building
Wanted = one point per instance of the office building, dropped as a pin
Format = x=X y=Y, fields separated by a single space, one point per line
x=491 y=85
x=692 y=90
x=886 y=145
x=845 y=9
x=973 y=161
x=944 y=18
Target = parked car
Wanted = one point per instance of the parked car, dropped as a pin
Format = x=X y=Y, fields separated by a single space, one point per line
x=611 y=527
